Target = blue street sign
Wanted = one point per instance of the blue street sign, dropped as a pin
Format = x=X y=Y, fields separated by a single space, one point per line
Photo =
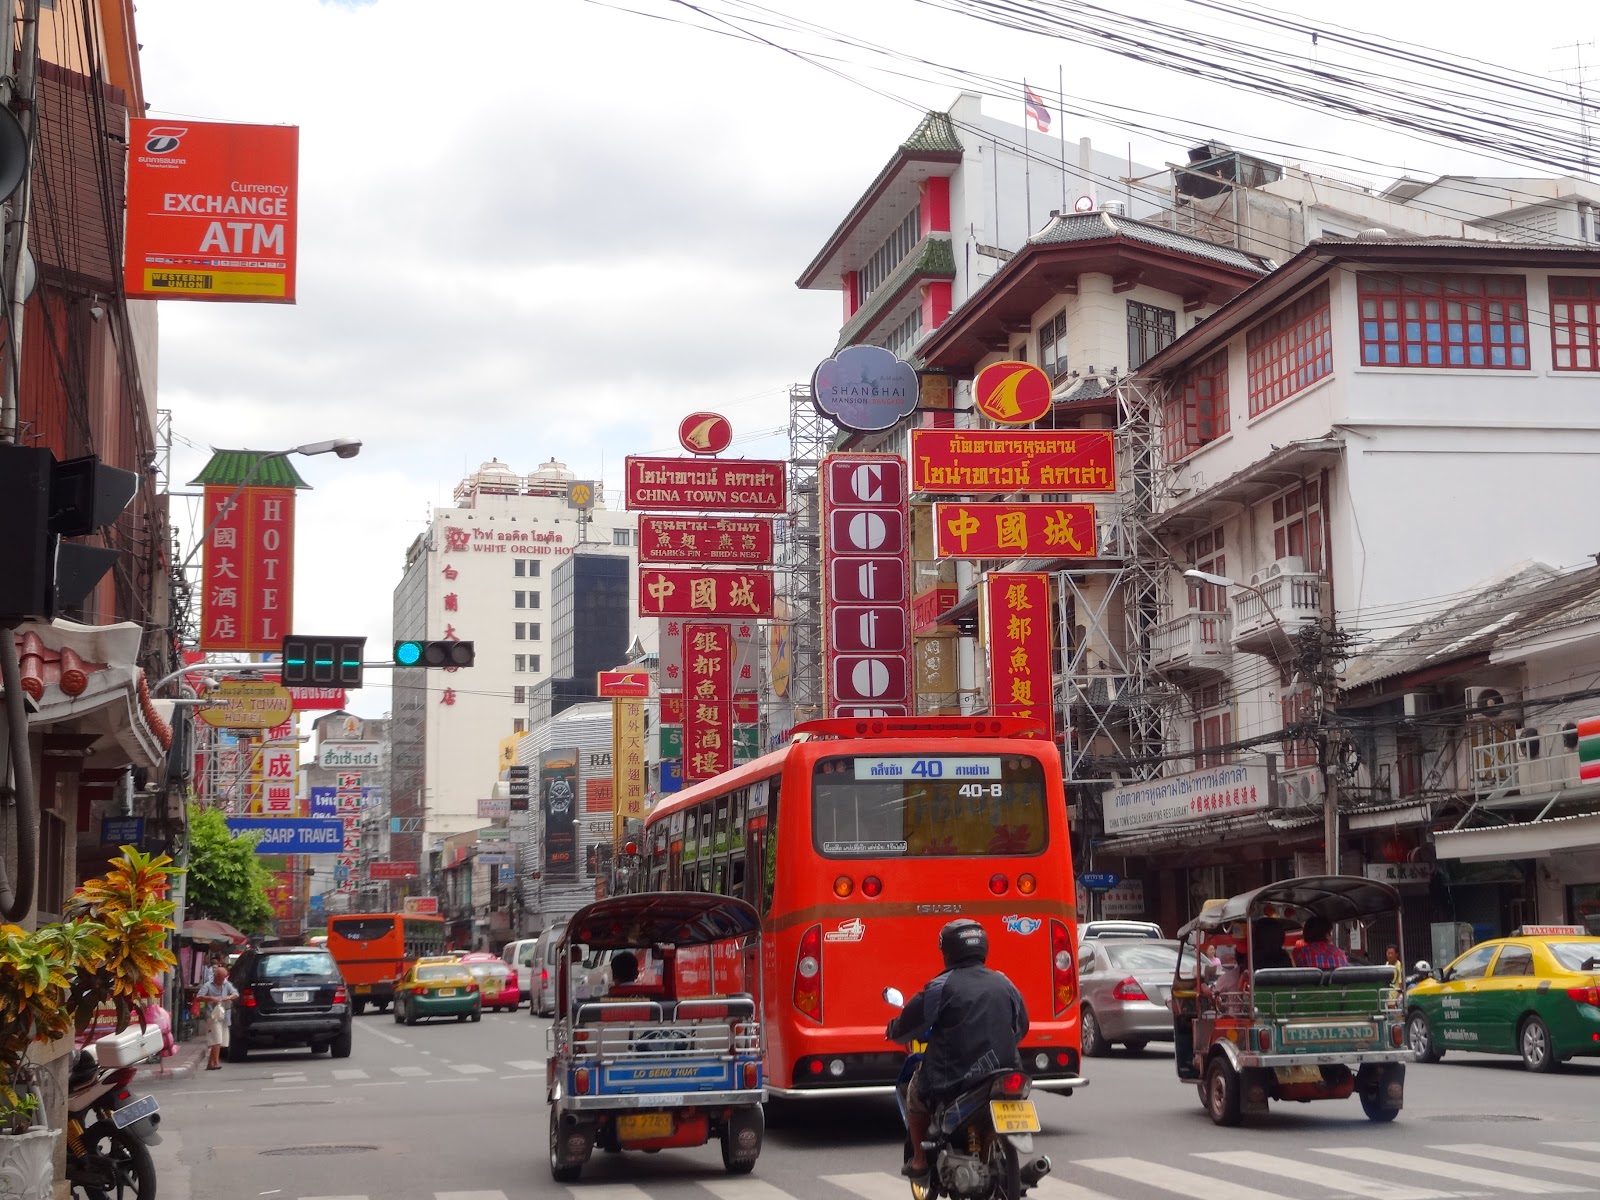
x=1102 y=881
x=324 y=802
x=341 y=874
x=671 y=775
x=319 y=902
x=291 y=835
x=121 y=831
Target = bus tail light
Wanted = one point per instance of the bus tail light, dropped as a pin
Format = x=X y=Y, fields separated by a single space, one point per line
x=1129 y=989
x=808 y=974
x=999 y=884
x=1026 y=884
x=1063 y=978
x=872 y=887
x=1585 y=995
x=843 y=886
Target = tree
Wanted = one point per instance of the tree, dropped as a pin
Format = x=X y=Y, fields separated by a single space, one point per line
x=226 y=880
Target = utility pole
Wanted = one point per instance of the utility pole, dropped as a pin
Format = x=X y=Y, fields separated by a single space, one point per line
x=1322 y=650
x=18 y=91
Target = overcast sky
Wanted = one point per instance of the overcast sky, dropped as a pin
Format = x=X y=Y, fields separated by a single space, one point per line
x=551 y=228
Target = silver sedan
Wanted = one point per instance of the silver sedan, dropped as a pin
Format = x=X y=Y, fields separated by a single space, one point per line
x=1126 y=984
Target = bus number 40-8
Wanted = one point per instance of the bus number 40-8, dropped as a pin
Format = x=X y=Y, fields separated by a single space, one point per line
x=977 y=790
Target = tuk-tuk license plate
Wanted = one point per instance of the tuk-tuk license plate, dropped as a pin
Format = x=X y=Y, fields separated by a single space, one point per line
x=137 y=1111
x=1318 y=1034
x=1014 y=1116
x=641 y=1126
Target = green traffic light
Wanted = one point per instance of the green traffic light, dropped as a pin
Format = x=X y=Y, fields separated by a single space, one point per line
x=408 y=654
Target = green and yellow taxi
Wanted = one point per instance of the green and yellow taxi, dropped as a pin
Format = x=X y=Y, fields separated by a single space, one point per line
x=437 y=987
x=1535 y=994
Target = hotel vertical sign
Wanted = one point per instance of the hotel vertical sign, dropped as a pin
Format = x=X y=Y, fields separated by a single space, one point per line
x=247 y=574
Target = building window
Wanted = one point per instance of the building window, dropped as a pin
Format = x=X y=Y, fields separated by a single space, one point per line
x=533 y=599
x=1206 y=553
x=1408 y=766
x=519 y=725
x=519 y=695
x=1213 y=726
x=1575 y=323
x=622 y=537
x=1150 y=329
x=1297 y=525
x=1298 y=708
x=527 y=567
x=1196 y=412
x=519 y=599
x=521 y=661
x=1443 y=321
x=521 y=567
x=521 y=628
x=888 y=256
x=1290 y=350
x=904 y=335
x=533 y=631
x=533 y=662
x=1053 y=345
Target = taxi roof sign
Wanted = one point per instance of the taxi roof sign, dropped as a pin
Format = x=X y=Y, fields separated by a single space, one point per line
x=1550 y=931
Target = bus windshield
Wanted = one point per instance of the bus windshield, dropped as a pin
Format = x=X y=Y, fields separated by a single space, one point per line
x=891 y=806
x=364 y=929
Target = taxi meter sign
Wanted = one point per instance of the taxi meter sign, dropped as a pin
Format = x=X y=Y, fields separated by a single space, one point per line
x=866 y=563
x=1012 y=393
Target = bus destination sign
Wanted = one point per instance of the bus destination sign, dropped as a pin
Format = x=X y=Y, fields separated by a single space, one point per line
x=944 y=767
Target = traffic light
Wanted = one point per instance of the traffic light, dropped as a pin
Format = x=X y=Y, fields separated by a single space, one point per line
x=322 y=661
x=41 y=502
x=433 y=654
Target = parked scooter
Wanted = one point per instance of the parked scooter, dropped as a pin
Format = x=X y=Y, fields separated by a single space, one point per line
x=109 y=1132
x=982 y=1147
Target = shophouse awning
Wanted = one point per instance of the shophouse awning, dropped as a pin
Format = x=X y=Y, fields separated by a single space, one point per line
x=1241 y=828
x=1527 y=839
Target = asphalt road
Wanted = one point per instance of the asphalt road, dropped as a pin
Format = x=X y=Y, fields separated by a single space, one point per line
x=456 y=1112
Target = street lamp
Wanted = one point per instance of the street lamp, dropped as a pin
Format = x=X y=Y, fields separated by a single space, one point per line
x=1222 y=581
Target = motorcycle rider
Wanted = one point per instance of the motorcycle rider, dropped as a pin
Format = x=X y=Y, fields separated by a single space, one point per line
x=975 y=1020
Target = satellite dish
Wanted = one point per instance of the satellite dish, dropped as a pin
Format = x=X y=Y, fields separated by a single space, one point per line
x=13 y=153
x=1083 y=204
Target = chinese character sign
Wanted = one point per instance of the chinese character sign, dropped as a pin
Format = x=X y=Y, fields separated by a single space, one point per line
x=247 y=587
x=627 y=757
x=706 y=485
x=1021 y=678
x=685 y=592
x=1014 y=530
x=979 y=461
x=707 y=701
x=746 y=541
x=866 y=557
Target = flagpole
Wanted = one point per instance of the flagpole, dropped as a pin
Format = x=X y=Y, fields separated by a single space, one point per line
x=1061 y=115
x=1027 y=167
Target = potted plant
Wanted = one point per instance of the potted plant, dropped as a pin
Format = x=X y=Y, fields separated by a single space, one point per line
x=109 y=949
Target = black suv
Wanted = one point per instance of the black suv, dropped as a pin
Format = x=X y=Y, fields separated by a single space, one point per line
x=289 y=996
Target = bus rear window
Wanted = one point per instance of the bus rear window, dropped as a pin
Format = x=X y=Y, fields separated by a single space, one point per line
x=901 y=806
x=364 y=929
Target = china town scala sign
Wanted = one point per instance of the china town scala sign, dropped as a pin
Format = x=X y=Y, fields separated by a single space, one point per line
x=510 y=541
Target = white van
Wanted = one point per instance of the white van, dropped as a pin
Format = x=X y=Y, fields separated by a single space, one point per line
x=519 y=957
x=542 y=972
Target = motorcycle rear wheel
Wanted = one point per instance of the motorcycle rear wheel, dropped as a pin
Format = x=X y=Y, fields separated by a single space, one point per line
x=114 y=1154
x=1005 y=1169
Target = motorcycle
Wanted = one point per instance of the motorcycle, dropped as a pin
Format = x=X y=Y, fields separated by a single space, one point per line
x=982 y=1147
x=109 y=1132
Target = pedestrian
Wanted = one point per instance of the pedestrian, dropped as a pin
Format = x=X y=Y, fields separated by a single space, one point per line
x=1391 y=959
x=217 y=995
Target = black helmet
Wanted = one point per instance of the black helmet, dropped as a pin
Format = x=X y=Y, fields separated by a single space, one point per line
x=963 y=942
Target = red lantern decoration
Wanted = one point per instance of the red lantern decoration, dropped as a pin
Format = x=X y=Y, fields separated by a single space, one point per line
x=1396 y=850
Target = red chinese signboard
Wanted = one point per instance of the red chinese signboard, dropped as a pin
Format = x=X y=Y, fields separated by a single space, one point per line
x=1020 y=672
x=706 y=485
x=707 y=701
x=1014 y=530
x=686 y=592
x=979 y=461
x=705 y=433
x=629 y=682
x=1012 y=393
x=396 y=869
x=866 y=558
x=746 y=541
x=671 y=708
x=247 y=588
x=928 y=608
x=310 y=699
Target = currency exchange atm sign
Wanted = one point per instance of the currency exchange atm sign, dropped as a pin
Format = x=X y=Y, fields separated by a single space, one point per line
x=866 y=563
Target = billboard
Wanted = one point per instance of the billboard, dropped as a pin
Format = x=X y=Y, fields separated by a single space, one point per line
x=212 y=210
x=247 y=574
x=1007 y=531
x=627 y=757
x=290 y=835
x=1019 y=617
x=706 y=485
x=865 y=388
x=687 y=592
x=988 y=461
x=247 y=704
x=558 y=802
x=708 y=701
x=625 y=681
x=742 y=541
x=866 y=562
x=1211 y=792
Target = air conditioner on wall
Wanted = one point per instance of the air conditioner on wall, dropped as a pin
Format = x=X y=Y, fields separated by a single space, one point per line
x=1293 y=565
x=1488 y=702
x=1417 y=704
x=1297 y=789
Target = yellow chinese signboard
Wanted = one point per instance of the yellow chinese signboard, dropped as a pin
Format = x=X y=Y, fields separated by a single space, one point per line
x=627 y=759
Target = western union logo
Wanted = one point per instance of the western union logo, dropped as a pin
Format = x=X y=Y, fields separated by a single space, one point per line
x=216 y=283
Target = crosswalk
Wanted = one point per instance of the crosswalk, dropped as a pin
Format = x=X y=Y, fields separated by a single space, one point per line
x=314 y=1078
x=1442 y=1171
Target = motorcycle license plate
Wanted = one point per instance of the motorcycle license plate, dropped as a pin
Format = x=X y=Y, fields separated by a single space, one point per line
x=447 y=991
x=137 y=1111
x=640 y=1126
x=296 y=997
x=1014 y=1116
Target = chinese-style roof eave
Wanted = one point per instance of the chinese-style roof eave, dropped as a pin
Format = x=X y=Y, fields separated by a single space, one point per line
x=1325 y=255
x=934 y=259
x=252 y=468
x=1037 y=274
x=934 y=141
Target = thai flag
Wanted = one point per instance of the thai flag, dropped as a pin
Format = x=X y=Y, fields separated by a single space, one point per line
x=1036 y=109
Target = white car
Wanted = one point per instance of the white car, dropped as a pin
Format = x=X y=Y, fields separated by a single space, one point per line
x=519 y=957
x=1090 y=930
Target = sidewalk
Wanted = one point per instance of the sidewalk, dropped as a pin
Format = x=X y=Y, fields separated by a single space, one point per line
x=188 y=1058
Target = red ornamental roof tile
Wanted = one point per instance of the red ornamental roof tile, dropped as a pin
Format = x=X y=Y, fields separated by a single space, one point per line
x=41 y=667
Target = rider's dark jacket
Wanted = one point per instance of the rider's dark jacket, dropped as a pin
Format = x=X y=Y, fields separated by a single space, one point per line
x=976 y=1018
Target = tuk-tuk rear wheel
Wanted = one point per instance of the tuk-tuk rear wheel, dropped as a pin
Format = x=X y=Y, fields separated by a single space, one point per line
x=559 y=1171
x=1373 y=1107
x=1222 y=1092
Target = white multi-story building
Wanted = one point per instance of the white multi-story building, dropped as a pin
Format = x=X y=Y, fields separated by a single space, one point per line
x=482 y=573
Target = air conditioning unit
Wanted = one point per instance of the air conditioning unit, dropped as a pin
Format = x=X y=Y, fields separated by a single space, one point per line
x=1487 y=702
x=1297 y=789
x=1293 y=565
x=1417 y=704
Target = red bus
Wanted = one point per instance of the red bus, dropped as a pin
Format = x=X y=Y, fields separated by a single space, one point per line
x=374 y=949
x=857 y=842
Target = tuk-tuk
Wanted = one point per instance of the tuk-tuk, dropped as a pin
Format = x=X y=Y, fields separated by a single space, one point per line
x=1250 y=1026
x=666 y=1051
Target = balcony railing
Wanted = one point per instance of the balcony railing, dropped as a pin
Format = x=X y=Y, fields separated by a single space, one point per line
x=1280 y=601
x=1196 y=641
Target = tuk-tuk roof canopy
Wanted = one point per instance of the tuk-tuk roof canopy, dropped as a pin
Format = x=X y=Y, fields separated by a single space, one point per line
x=1333 y=897
x=651 y=918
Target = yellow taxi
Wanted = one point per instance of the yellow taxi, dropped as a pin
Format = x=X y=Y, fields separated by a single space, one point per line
x=437 y=986
x=1536 y=994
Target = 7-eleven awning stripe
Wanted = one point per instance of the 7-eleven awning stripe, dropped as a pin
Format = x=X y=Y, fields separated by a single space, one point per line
x=1589 y=748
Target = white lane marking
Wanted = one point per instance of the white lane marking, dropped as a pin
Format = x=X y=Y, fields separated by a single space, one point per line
x=1439 y=1168
x=448 y=1080
x=1174 y=1179
x=877 y=1186
x=530 y=1075
x=471 y=1069
x=288 y=1074
x=350 y=1073
x=1308 y=1172
x=529 y=1064
x=411 y=1072
x=748 y=1189
x=361 y=1197
x=378 y=1033
x=1524 y=1158
x=295 y=1087
x=617 y=1191
x=1060 y=1189
x=1589 y=1147
x=207 y=1091
x=475 y=1195
x=384 y=1083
